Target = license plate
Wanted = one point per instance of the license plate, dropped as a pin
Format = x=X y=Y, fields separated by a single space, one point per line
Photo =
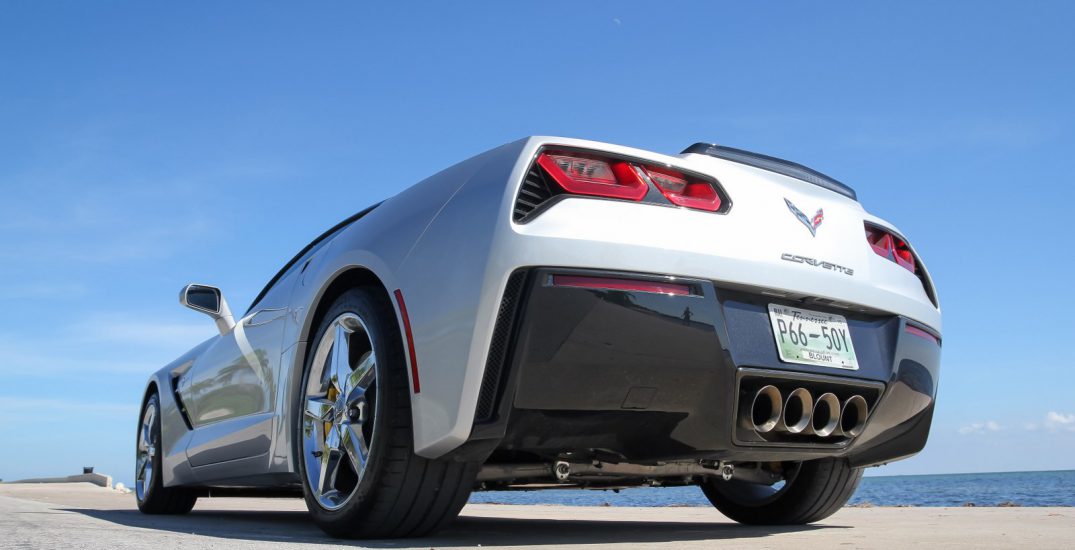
x=812 y=338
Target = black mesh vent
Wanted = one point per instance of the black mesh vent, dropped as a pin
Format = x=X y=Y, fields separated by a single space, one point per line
x=495 y=363
x=537 y=188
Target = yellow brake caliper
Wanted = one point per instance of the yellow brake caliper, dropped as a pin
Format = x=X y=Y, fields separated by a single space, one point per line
x=333 y=393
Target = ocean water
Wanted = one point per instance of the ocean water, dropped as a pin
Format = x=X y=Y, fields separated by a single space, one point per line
x=1019 y=488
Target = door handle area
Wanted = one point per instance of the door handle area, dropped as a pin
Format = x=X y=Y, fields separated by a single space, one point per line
x=264 y=316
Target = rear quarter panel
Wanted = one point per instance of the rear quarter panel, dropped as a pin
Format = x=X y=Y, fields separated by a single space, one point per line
x=432 y=242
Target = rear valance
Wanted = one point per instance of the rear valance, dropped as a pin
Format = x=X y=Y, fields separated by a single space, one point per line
x=772 y=164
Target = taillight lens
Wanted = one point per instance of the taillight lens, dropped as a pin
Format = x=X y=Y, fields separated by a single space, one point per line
x=683 y=191
x=583 y=173
x=903 y=255
x=591 y=176
x=891 y=247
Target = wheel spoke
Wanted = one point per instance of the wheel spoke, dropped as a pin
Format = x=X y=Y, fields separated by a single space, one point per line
x=319 y=408
x=354 y=444
x=330 y=466
x=147 y=429
x=331 y=457
x=360 y=379
x=140 y=469
x=339 y=360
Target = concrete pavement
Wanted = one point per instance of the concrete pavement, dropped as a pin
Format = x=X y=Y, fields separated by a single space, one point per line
x=87 y=516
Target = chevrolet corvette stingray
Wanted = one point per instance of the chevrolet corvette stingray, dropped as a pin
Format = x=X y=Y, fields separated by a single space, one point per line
x=561 y=313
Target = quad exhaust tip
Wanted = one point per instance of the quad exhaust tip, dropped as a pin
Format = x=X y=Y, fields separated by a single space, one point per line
x=853 y=416
x=766 y=409
x=826 y=416
x=799 y=413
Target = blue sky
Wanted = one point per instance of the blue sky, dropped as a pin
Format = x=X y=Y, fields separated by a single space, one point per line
x=146 y=146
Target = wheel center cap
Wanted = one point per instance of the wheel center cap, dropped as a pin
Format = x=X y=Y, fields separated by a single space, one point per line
x=339 y=412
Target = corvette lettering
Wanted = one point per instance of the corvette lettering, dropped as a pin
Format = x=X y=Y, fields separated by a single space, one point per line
x=817 y=263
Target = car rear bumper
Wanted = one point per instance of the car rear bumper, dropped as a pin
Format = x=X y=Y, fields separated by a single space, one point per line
x=646 y=376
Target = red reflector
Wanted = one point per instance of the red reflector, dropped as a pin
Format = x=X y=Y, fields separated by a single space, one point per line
x=410 y=340
x=591 y=176
x=610 y=283
x=911 y=329
x=683 y=192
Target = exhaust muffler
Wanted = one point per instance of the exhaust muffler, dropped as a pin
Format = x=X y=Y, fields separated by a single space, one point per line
x=853 y=416
x=825 y=418
x=797 y=411
x=766 y=408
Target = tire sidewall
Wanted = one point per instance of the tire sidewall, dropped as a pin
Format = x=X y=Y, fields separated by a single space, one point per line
x=799 y=503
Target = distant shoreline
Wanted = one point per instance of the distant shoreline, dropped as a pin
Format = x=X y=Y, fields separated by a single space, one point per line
x=974 y=473
x=1051 y=488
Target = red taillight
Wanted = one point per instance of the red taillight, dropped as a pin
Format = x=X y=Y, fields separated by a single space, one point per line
x=630 y=285
x=682 y=191
x=880 y=241
x=598 y=175
x=911 y=329
x=890 y=247
x=590 y=176
x=903 y=255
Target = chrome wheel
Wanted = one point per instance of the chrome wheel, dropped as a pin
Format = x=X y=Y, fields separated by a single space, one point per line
x=339 y=406
x=145 y=451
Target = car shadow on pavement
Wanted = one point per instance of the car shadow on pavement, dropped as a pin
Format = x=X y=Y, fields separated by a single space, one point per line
x=278 y=526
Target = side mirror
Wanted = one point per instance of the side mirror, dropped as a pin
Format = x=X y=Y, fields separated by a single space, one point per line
x=210 y=301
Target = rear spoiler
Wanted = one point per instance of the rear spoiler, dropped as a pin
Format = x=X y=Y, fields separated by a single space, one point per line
x=772 y=164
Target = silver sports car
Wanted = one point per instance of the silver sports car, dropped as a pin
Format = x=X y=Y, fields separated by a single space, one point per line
x=561 y=313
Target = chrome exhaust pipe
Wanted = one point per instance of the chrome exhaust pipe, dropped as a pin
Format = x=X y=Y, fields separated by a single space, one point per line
x=797 y=410
x=765 y=410
x=853 y=416
x=826 y=416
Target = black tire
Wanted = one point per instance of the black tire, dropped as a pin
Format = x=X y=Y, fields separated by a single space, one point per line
x=400 y=494
x=813 y=491
x=155 y=497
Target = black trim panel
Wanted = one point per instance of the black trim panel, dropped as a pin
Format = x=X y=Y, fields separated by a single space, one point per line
x=643 y=376
x=773 y=164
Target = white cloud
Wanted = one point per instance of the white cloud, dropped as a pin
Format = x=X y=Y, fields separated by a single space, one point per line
x=15 y=410
x=35 y=361
x=114 y=329
x=1059 y=421
x=104 y=245
x=981 y=428
x=113 y=344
